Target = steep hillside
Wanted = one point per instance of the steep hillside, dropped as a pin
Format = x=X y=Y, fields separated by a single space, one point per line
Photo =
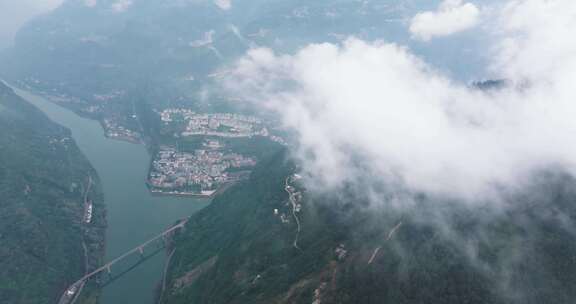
x=245 y=248
x=43 y=186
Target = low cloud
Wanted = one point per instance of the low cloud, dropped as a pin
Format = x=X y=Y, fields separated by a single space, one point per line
x=452 y=16
x=206 y=40
x=90 y=3
x=375 y=111
x=121 y=6
x=223 y=4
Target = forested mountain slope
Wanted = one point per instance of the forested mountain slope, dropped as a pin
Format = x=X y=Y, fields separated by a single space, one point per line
x=242 y=248
x=43 y=185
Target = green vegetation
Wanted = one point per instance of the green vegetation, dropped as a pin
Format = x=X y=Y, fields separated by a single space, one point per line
x=144 y=58
x=43 y=178
x=238 y=250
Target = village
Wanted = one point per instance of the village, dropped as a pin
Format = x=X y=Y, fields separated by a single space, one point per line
x=199 y=173
x=185 y=122
x=207 y=168
x=117 y=131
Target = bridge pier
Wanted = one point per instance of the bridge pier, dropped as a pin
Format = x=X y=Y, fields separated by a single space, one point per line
x=161 y=240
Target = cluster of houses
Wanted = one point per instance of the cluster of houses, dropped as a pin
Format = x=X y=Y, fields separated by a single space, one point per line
x=213 y=124
x=117 y=131
x=200 y=172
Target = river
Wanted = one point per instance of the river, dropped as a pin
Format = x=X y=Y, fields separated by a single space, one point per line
x=134 y=215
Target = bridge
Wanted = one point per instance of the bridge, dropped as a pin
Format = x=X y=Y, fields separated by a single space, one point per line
x=72 y=293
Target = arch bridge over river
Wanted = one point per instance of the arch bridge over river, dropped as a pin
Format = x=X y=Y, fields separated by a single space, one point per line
x=72 y=293
x=133 y=214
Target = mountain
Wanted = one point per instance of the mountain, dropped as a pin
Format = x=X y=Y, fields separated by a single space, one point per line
x=245 y=248
x=44 y=182
x=115 y=60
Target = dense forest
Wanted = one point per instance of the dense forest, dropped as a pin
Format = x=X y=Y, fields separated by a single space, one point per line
x=241 y=248
x=43 y=184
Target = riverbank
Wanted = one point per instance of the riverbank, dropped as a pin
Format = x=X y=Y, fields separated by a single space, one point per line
x=111 y=130
x=210 y=195
x=133 y=213
x=93 y=237
x=46 y=183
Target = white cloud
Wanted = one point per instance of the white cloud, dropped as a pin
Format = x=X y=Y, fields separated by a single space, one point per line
x=223 y=4
x=374 y=111
x=206 y=40
x=90 y=3
x=121 y=5
x=538 y=40
x=452 y=16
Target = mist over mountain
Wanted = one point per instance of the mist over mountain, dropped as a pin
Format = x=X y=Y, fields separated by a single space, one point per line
x=377 y=109
x=168 y=53
x=247 y=247
x=368 y=151
x=469 y=173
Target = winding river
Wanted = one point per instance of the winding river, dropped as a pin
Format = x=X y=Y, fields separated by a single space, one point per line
x=134 y=215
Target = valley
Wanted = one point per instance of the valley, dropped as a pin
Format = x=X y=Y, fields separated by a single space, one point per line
x=133 y=214
x=287 y=152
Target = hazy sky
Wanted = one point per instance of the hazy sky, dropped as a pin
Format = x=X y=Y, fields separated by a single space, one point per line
x=14 y=13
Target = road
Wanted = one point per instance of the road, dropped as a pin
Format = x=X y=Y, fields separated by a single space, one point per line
x=294 y=203
x=390 y=235
x=161 y=297
x=71 y=298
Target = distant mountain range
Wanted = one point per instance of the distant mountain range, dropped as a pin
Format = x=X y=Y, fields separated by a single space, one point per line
x=110 y=59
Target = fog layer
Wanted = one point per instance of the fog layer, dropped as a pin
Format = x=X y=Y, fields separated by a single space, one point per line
x=372 y=108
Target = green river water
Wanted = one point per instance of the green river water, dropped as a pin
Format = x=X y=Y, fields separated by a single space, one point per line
x=134 y=215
